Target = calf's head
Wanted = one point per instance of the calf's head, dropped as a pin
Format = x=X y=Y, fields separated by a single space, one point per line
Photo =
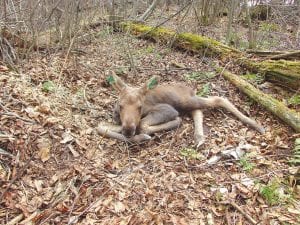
x=131 y=100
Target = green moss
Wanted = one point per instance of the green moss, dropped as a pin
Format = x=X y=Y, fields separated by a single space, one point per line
x=187 y=41
x=295 y=160
x=294 y=100
x=200 y=75
x=257 y=78
x=289 y=68
x=281 y=71
x=197 y=42
x=246 y=164
x=190 y=153
x=204 y=92
x=48 y=86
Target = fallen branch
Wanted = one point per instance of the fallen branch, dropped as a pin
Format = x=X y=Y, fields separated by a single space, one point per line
x=238 y=208
x=291 y=117
x=16 y=220
x=288 y=55
x=265 y=53
x=276 y=54
x=11 y=114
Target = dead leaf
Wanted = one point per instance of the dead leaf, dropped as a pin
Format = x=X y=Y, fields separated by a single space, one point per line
x=3 y=68
x=51 y=120
x=44 y=146
x=44 y=108
x=32 y=113
x=2 y=173
x=294 y=211
x=119 y=207
x=67 y=137
x=81 y=144
x=38 y=185
x=210 y=219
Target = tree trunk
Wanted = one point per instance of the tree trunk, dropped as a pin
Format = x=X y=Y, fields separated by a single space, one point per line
x=251 y=35
x=148 y=12
x=230 y=21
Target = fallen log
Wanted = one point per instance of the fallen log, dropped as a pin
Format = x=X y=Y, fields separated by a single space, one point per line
x=264 y=53
x=287 y=55
x=187 y=41
x=282 y=72
x=289 y=116
x=276 y=54
x=286 y=73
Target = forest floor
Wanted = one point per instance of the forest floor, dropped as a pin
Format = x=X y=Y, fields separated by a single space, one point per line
x=56 y=169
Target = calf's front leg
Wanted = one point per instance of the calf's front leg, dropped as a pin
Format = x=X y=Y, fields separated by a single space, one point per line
x=114 y=131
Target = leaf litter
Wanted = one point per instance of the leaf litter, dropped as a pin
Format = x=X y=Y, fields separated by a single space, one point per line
x=55 y=169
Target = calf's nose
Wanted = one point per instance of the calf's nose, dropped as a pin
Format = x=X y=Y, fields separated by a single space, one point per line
x=129 y=130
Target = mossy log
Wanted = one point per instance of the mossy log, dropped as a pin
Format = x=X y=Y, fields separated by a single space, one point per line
x=283 y=72
x=289 y=116
x=187 y=41
x=288 y=55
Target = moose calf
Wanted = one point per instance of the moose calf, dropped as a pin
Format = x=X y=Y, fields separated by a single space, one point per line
x=141 y=111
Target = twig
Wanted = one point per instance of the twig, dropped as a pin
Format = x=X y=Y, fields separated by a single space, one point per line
x=295 y=54
x=227 y=216
x=19 y=174
x=166 y=20
x=238 y=208
x=17 y=116
x=15 y=220
x=7 y=113
x=85 y=98
x=3 y=152
x=75 y=200
x=66 y=58
x=29 y=218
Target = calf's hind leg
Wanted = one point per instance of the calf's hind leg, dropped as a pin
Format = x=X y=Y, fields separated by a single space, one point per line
x=215 y=101
x=161 y=117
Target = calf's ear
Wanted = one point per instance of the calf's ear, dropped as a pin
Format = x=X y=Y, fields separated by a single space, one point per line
x=150 y=84
x=116 y=82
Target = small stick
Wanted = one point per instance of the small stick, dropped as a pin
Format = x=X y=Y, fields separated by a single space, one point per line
x=29 y=219
x=238 y=208
x=15 y=220
x=3 y=152
x=19 y=174
x=11 y=114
